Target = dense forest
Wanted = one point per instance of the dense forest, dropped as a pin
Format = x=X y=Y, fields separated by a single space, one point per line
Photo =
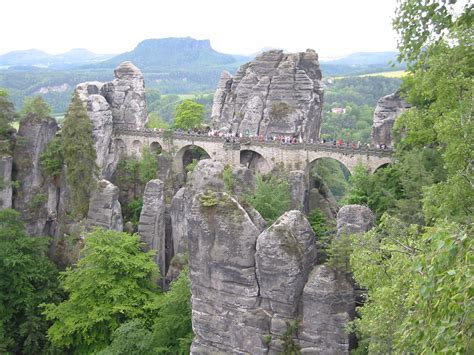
x=415 y=267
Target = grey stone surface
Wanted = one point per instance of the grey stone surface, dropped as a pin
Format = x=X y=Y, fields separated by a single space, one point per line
x=298 y=190
x=222 y=241
x=6 y=163
x=321 y=197
x=126 y=96
x=353 y=219
x=151 y=226
x=276 y=93
x=100 y=114
x=386 y=112
x=328 y=305
x=104 y=207
x=36 y=196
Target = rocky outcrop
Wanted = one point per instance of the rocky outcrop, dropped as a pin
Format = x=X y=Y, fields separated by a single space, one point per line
x=321 y=197
x=224 y=285
x=6 y=191
x=328 y=306
x=275 y=94
x=151 y=226
x=101 y=117
x=352 y=219
x=298 y=190
x=120 y=102
x=104 y=207
x=36 y=197
x=386 y=112
x=126 y=96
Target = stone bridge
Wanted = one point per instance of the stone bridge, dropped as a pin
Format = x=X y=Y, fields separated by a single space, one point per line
x=260 y=155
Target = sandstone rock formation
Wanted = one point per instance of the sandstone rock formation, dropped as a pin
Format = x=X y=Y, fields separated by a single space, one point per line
x=386 y=112
x=36 y=196
x=126 y=96
x=353 y=219
x=5 y=181
x=276 y=93
x=328 y=306
x=104 y=207
x=120 y=102
x=298 y=190
x=101 y=118
x=151 y=226
x=321 y=197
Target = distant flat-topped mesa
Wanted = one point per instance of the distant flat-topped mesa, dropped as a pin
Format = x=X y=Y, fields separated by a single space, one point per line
x=277 y=93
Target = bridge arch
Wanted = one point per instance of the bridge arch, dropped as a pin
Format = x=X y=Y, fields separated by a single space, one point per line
x=136 y=148
x=254 y=160
x=156 y=147
x=381 y=166
x=186 y=154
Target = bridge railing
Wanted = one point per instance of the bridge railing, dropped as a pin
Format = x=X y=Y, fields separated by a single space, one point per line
x=242 y=143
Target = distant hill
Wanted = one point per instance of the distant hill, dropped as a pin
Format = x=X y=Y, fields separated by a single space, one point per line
x=365 y=58
x=36 y=58
x=174 y=54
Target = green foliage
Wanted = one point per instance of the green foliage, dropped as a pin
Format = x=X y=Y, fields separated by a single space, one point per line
x=334 y=175
x=419 y=288
x=171 y=331
x=267 y=339
x=208 y=199
x=51 y=160
x=7 y=116
x=271 y=198
x=228 y=179
x=188 y=115
x=147 y=166
x=27 y=279
x=37 y=201
x=155 y=121
x=113 y=282
x=131 y=210
x=79 y=156
x=289 y=346
x=321 y=226
x=37 y=105
x=190 y=167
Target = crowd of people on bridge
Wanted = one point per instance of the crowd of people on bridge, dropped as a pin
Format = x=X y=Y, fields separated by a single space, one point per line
x=239 y=137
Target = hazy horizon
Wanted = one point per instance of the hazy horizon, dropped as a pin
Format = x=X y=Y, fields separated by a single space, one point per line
x=333 y=29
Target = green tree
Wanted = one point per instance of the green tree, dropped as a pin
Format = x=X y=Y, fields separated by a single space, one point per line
x=52 y=159
x=113 y=282
x=271 y=198
x=188 y=115
x=79 y=156
x=36 y=104
x=7 y=116
x=27 y=279
x=155 y=121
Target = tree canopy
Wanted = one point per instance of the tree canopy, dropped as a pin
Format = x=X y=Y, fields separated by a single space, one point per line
x=36 y=104
x=113 y=282
x=79 y=156
x=188 y=115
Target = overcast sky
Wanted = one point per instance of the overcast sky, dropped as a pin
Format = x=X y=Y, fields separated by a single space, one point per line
x=331 y=27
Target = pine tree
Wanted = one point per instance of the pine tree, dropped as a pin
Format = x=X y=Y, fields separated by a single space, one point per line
x=79 y=156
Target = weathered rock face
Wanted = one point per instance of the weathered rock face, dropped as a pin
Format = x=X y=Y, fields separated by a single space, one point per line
x=151 y=227
x=298 y=190
x=276 y=93
x=104 y=207
x=126 y=96
x=328 y=306
x=36 y=197
x=222 y=262
x=386 y=112
x=121 y=101
x=353 y=219
x=321 y=197
x=101 y=118
x=6 y=179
